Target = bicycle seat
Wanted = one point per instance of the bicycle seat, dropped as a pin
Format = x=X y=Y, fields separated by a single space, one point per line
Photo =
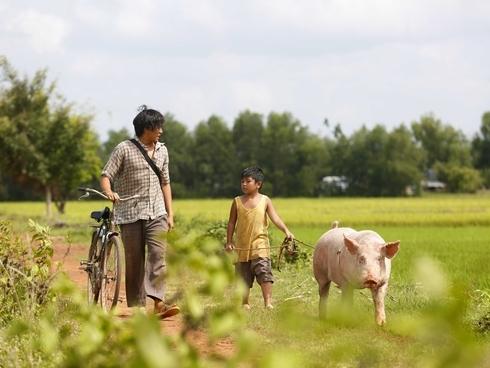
x=98 y=215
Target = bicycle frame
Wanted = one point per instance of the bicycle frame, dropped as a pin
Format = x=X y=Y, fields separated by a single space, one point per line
x=105 y=247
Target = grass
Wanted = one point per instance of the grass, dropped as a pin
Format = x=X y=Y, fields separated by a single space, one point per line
x=462 y=252
x=438 y=210
x=453 y=230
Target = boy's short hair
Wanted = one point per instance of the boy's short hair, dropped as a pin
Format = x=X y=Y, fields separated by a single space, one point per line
x=147 y=119
x=253 y=172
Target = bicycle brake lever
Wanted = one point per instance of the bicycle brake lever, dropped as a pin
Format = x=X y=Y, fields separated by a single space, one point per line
x=85 y=195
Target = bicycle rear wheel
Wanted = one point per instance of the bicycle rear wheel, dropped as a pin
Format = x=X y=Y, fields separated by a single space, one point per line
x=111 y=273
x=93 y=270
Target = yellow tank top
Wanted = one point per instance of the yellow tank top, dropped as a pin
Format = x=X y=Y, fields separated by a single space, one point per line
x=251 y=231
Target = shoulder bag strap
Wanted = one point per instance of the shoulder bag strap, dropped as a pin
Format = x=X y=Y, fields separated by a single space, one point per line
x=148 y=159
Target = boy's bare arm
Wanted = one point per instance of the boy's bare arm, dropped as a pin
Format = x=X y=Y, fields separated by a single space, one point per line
x=230 y=229
x=271 y=211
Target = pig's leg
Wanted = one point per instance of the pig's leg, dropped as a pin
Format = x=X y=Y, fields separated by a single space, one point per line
x=323 y=289
x=379 y=304
x=347 y=294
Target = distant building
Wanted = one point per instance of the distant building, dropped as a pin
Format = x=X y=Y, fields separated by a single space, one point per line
x=431 y=182
x=433 y=185
x=332 y=185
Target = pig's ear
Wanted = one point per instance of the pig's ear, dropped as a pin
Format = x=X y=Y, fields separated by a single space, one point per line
x=351 y=245
x=391 y=248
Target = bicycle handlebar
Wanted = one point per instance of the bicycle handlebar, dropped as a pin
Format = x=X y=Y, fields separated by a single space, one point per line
x=100 y=194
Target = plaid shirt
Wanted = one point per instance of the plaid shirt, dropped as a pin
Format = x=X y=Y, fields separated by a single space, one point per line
x=130 y=174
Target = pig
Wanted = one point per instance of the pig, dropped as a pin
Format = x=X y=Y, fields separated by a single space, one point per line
x=354 y=260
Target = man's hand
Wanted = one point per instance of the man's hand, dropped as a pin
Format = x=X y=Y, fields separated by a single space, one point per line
x=170 y=222
x=229 y=247
x=113 y=196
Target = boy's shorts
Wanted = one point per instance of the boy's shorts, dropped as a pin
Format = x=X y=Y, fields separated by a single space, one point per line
x=259 y=268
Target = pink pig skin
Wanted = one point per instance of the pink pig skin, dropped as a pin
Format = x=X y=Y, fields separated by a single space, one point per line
x=354 y=260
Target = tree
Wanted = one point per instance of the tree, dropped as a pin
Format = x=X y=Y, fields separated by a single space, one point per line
x=378 y=163
x=481 y=148
x=447 y=149
x=404 y=162
x=43 y=144
x=294 y=159
x=179 y=143
x=71 y=156
x=114 y=138
x=247 y=133
x=282 y=138
x=442 y=143
x=314 y=162
x=216 y=172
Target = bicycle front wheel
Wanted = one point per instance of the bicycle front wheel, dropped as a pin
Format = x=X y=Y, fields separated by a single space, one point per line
x=111 y=273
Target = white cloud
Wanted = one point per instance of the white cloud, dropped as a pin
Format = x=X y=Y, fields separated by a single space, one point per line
x=353 y=61
x=92 y=13
x=255 y=95
x=137 y=18
x=207 y=14
x=44 y=32
x=373 y=18
x=90 y=66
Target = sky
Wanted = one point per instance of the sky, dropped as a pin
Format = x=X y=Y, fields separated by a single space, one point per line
x=353 y=62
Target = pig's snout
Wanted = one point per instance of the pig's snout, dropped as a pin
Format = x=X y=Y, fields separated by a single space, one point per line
x=370 y=283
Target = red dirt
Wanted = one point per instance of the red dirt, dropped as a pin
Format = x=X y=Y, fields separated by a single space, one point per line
x=70 y=257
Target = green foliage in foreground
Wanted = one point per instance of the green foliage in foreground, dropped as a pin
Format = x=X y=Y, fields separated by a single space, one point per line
x=62 y=330
x=25 y=271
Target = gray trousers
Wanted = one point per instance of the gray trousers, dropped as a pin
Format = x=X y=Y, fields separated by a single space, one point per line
x=144 y=249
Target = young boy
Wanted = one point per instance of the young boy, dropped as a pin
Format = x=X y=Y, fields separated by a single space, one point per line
x=248 y=218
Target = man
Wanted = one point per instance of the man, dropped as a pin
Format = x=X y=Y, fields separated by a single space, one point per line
x=144 y=220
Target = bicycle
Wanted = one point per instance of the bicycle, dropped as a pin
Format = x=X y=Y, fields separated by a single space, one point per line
x=104 y=262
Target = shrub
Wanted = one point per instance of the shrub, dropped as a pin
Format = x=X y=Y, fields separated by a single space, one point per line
x=64 y=330
x=459 y=178
x=485 y=174
x=25 y=271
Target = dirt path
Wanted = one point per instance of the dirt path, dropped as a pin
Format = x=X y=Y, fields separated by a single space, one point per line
x=70 y=258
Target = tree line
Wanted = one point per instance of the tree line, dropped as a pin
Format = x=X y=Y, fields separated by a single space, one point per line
x=48 y=149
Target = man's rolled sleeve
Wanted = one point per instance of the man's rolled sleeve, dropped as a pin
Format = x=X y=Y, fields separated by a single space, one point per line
x=113 y=165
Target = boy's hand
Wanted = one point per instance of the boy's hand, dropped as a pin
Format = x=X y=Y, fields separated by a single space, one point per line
x=289 y=235
x=229 y=247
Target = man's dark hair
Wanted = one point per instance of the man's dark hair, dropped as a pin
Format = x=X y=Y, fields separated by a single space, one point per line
x=147 y=119
x=253 y=172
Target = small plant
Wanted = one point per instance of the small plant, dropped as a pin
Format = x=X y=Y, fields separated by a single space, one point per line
x=483 y=323
x=481 y=301
x=217 y=230
x=25 y=271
